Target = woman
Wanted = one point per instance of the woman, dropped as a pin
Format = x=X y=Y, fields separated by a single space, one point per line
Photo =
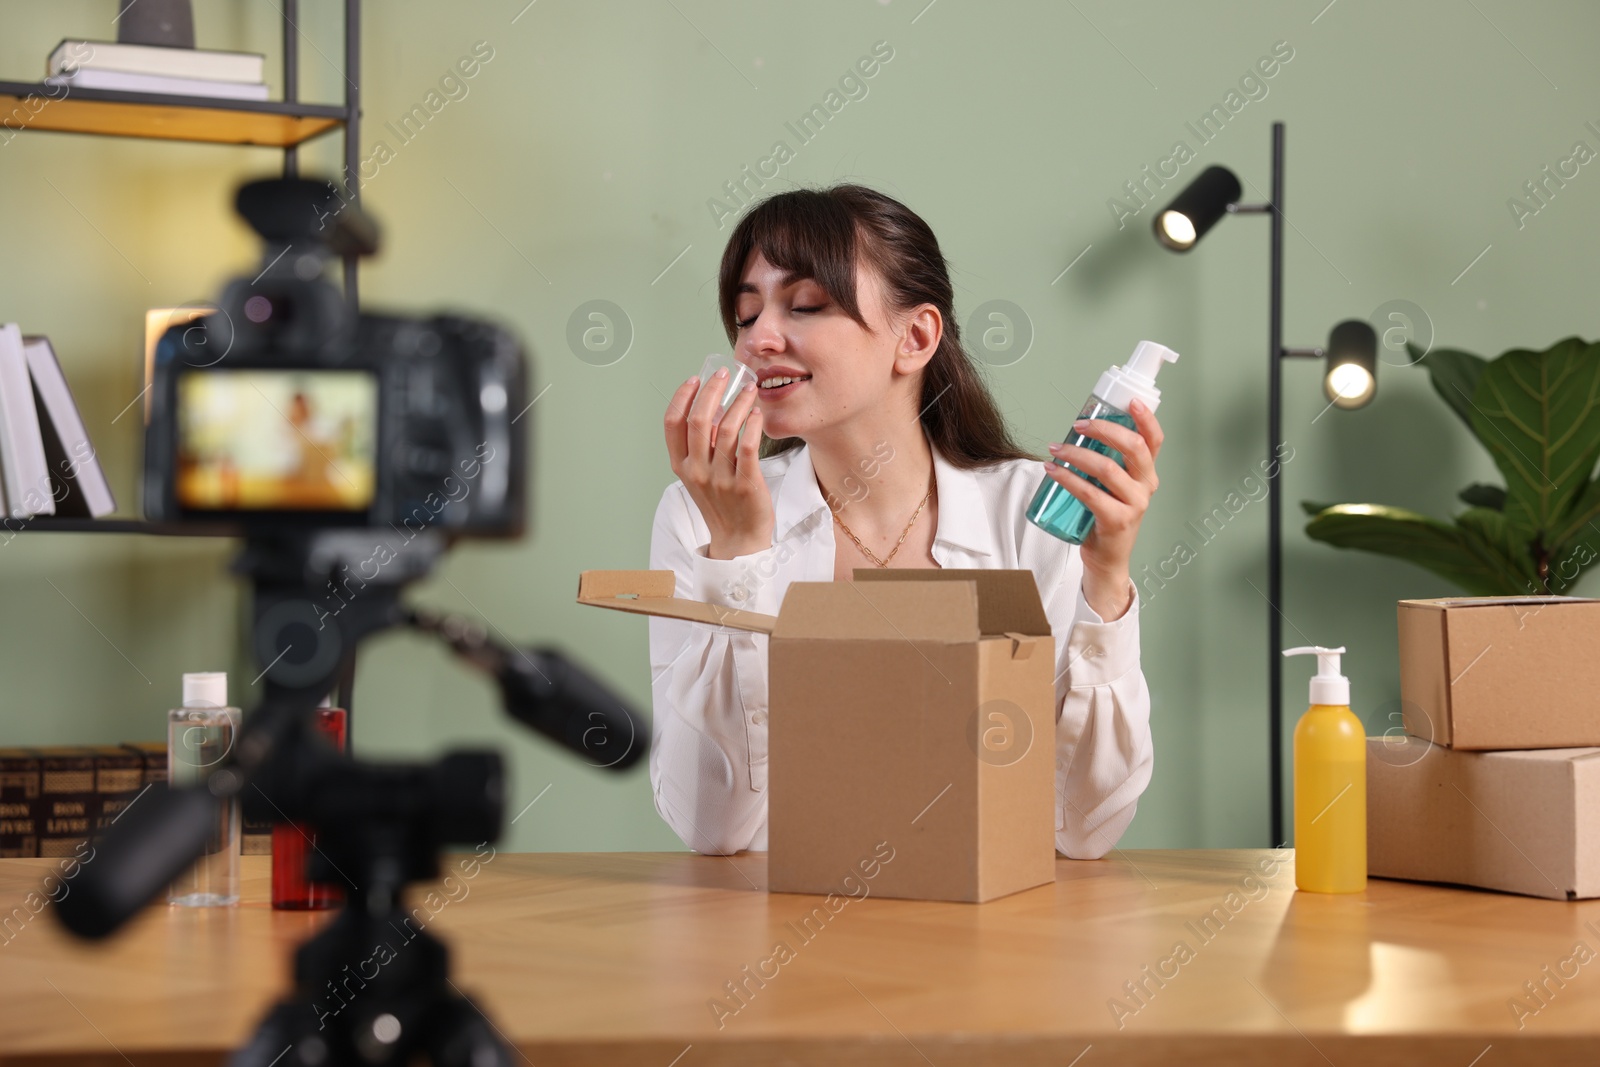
x=870 y=419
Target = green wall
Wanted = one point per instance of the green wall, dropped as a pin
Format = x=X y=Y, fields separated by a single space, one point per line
x=579 y=166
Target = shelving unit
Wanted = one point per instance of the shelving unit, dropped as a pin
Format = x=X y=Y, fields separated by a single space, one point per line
x=269 y=123
x=54 y=524
x=283 y=124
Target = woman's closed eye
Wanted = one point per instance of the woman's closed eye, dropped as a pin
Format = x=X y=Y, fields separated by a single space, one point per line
x=744 y=323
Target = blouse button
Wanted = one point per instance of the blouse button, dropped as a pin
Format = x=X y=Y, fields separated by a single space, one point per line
x=759 y=718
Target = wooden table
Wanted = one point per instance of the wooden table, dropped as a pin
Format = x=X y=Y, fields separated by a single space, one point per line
x=622 y=958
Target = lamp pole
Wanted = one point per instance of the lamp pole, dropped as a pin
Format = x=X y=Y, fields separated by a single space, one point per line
x=1274 y=498
x=1276 y=353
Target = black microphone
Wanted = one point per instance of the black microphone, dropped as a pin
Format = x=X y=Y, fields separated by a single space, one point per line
x=154 y=840
x=543 y=689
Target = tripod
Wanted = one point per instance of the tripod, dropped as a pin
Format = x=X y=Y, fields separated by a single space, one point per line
x=373 y=987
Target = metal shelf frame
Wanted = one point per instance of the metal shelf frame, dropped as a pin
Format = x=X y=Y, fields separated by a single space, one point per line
x=284 y=124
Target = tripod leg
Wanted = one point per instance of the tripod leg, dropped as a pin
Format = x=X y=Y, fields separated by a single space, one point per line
x=290 y=1027
x=463 y=1037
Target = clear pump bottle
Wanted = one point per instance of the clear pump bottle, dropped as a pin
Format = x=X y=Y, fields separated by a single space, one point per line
x=1058 y=512
x=200 y=734
x=1330 y=784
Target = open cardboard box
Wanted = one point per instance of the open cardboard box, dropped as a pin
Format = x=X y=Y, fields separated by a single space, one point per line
x=1501 y=672
x=909 y=707
x=1520 y=821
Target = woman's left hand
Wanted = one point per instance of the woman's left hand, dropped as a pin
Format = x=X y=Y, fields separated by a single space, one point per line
x=1108 y=550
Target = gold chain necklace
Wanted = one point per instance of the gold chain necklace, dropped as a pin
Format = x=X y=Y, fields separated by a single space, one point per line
x=865 y=551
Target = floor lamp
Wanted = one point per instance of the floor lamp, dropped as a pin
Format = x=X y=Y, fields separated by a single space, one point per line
x=1349 y=381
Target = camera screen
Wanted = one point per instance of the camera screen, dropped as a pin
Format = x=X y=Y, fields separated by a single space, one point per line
x=276 y=440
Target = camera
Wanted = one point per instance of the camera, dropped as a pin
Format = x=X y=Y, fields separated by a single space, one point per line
x=287 y=409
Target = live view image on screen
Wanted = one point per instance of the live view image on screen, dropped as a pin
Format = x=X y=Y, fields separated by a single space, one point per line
x=276 y=440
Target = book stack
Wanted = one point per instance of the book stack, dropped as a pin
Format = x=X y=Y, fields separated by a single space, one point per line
x=54 y=798
x=47 y=464
x=145 y=68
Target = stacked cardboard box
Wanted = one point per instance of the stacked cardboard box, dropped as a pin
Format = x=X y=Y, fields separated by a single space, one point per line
x=53 y=798
x=1496 y=780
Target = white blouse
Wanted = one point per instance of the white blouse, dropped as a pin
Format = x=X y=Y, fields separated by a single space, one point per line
x=708 y=761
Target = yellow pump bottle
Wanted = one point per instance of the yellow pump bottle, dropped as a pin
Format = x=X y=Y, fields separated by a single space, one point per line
x=1330 y=784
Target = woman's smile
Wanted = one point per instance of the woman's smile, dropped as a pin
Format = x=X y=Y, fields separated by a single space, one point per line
x=778 y=381
x=777 y=391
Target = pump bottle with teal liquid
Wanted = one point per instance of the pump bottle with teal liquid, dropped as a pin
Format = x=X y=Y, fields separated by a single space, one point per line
x=1058 y=512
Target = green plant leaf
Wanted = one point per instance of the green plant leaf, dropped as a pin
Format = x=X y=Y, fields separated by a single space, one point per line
x=1312 y=507
x=1455 y=375
x=1568 y=565
x=1484 y=496
x=1470 y=560
x=1493 y=538
x=1535 y=412
x=1578 y=525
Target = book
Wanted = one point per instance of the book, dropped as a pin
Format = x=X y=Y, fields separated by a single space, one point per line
x=159 y=83
x=19 y=802
x=154 y=754
x=78 y=482
x=22 y=461
x=66 y=799
x=71 y=55
x=118 y=780
x=255 y=837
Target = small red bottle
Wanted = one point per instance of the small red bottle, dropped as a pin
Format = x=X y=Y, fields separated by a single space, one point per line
x=292 y=842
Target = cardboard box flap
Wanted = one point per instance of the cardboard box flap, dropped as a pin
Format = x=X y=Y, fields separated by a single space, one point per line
x=900 y=611
x=1008 y=600
x=1424 y=671
x=650 y=593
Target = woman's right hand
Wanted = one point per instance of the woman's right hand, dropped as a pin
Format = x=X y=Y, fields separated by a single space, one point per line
x=720 y=465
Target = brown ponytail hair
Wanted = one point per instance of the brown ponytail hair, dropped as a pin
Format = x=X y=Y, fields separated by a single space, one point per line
x=818 y=234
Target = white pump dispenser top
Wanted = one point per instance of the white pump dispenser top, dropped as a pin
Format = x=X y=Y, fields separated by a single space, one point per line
x=1328 y=686
x=1119 y=386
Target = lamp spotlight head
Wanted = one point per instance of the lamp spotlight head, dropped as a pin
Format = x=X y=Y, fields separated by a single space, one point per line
x=1180 y=225
x=1351 y=379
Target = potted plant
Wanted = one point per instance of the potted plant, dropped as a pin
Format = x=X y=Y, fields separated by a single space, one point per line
x=1538 y=414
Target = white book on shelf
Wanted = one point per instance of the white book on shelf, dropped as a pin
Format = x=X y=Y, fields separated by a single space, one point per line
x=158 y=83
x=72 y=55
x=69 y=454
x=21 y=447
x=5 y=503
